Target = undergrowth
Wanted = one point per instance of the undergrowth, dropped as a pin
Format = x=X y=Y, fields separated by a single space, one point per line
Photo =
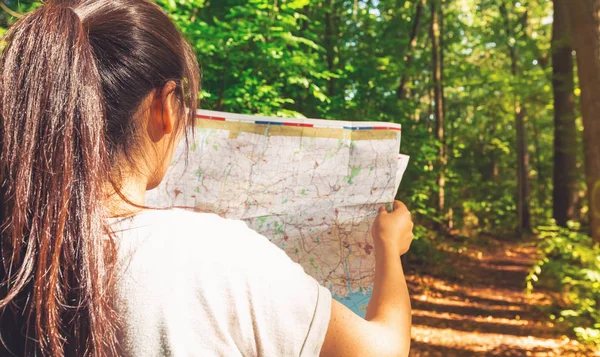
x=570 y=264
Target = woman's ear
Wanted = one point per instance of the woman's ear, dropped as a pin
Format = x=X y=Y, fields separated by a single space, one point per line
x=163 y=113
x=168 y=106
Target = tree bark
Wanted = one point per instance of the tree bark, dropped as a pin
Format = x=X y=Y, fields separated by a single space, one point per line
x=522 y=170
x=538 y=161
x=330 y=42
x=523 y=213
x=409 y=58
x=565 y=130
x=585 y=27
x=449 y=216
x=438 y=92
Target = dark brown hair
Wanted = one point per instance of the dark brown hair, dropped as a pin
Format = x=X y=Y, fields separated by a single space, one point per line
x=73 y=77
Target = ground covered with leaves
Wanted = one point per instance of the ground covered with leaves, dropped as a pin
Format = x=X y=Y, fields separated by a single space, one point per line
x=474 y=304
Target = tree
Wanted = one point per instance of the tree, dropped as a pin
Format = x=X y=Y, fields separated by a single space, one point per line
x=585 y=26
x=438 y=92
x=331 y=37
x=565 y=129
x=523 y=212
x=410 y=55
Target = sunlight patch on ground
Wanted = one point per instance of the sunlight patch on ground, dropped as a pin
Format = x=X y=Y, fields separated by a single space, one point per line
x=467 y=303
x=473 y=319
x=465 y=294
x=478 y=342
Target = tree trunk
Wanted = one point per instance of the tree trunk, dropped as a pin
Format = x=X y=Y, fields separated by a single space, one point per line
x=565 y=129
x=436 y=59
x=523 y=213
x=585 y=27
x=449 y=212
x=541 y=176
x=494 y=168
x=409 y=58
x=522 y=170
x=330 y=43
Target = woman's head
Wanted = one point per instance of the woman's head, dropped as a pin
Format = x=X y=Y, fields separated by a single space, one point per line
x=91 y=92
x=146 y=71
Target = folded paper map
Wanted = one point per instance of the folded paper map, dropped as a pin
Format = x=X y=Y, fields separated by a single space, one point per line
x=313 y=187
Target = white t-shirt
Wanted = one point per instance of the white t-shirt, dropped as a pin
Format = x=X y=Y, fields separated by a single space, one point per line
x=196 y=284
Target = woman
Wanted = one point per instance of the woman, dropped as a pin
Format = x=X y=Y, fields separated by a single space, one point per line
x=94 y=96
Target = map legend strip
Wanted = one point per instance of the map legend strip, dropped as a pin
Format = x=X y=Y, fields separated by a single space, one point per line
x=297 y=122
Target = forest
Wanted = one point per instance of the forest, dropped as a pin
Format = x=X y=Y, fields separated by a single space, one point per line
x=497 y=99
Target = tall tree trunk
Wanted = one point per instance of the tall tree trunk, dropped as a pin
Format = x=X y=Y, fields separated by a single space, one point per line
x=330 y=42
x=565 y=129
x=447 y=205
x=585 y=27
x=438 y=92
x=409 y=58
x=523 y=213
x=538 y=162
x=302 y=97
x=522 y=170
x=494 y=169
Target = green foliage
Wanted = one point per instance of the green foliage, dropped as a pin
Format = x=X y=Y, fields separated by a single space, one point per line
x=257 y=57
x=570 y=264
x=344 y=60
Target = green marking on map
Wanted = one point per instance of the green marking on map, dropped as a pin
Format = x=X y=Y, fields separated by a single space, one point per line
x=312 y=263
x=353 y=173
x=261 y=221
x=279 y=228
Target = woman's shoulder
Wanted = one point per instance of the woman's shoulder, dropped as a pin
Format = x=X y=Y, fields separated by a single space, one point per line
x=185 y=222
x=190 y=232
x=186 y=216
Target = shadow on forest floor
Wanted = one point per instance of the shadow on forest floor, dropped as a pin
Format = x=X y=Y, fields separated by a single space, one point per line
x=474 y=304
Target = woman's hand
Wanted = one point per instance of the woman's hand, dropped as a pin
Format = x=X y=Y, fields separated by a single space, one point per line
x=392 y=231
x=385 y=331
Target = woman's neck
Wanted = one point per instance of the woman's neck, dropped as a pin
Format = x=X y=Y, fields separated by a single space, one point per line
x=126 y=200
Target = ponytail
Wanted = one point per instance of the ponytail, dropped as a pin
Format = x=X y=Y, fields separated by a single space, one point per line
x=57 y=259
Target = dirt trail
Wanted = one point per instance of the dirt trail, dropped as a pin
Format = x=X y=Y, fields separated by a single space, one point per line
x=475 y=305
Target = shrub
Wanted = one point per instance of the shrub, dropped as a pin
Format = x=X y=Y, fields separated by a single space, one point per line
x=570 y=265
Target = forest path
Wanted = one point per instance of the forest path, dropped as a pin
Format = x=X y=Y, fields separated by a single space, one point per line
x=474 y=304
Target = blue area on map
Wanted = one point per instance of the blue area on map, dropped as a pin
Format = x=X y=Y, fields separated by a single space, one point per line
x=356 y=301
